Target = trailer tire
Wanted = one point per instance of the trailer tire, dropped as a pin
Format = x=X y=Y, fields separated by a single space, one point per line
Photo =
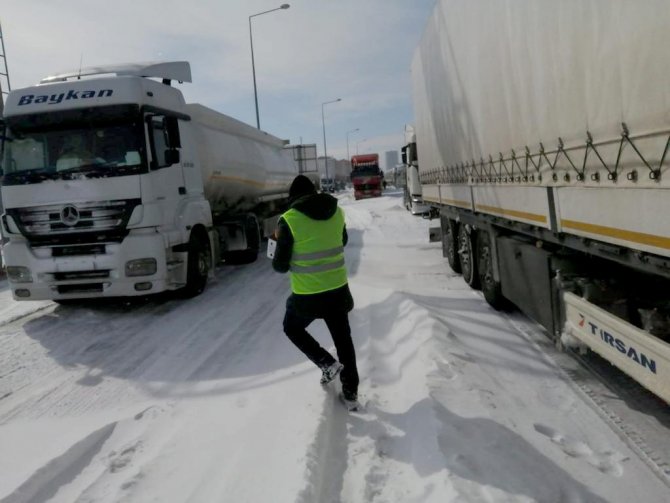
x=449 y=243
x=491 y=288
x=199 y=259
x=467 y=256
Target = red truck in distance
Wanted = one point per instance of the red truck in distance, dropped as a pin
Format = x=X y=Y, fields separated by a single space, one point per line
x=366 y=176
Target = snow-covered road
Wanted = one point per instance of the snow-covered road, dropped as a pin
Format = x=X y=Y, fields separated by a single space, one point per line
x=205 y=400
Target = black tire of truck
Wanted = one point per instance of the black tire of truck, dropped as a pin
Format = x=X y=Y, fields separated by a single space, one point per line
x=467 y=256
x=491 y=288
x=449 y=240
x=199 y=259
x=252 y=233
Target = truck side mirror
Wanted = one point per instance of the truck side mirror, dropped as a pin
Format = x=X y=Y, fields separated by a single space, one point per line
x=403 y=156
x=171 y=156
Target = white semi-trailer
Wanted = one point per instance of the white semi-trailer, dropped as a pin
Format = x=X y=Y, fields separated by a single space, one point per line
x=113 y=186
x=543 y=132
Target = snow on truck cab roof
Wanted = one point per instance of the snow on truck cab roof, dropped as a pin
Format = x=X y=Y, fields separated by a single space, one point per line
x=173 y=70
x=102 y=86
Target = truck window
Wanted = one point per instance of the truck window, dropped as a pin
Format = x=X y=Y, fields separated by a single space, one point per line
x=159 y=140
x=25 y=154
x=164 y=136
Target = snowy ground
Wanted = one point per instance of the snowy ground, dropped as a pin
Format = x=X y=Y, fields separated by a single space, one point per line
x=206 y=400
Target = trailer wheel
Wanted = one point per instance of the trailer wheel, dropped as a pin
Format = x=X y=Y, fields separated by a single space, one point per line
x=467 y=257
x=449 y=240
x=490 y=287
x=199 y=259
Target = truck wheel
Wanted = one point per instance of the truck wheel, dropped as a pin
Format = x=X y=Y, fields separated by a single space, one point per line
x=449 y=239
x=490 y=287
x=467 y=257
x=198 y=263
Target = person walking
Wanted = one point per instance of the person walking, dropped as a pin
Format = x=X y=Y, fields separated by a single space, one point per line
x=311 y=237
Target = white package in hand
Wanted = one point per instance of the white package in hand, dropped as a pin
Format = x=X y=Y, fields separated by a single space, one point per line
x=272 y=245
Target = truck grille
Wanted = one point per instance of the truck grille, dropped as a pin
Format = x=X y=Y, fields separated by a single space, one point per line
x=81 y=288
x=77 y=275
x=74 y=222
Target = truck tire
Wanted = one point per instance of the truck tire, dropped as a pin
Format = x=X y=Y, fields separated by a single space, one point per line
x=491 y=288
x=199 y=258
x=449 y=240
x=467 y=256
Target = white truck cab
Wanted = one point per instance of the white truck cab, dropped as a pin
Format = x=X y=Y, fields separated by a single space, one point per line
x=101 y=191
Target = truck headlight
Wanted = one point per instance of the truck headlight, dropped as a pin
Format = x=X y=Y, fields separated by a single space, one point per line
x=19 y=274
x=141 y=267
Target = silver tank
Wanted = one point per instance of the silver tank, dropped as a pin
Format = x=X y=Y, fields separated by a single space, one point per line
x=241 y=165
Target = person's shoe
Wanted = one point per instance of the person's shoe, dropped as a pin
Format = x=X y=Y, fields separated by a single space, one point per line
x=330 y=372
x=350 y=401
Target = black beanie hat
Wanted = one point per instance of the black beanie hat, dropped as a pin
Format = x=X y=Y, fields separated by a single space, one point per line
x=301 y=186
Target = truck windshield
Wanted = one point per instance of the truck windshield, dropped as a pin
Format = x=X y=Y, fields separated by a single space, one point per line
x=35 y=155
x=365 y=171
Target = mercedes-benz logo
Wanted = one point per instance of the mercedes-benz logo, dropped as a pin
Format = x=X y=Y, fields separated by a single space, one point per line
x=69 y=215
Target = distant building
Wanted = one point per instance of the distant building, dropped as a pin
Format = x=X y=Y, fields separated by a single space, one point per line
x=391 y=158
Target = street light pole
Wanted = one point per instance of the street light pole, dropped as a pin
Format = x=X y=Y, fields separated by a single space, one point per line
x=253 y=65
x=323 y=122
x=352 y=131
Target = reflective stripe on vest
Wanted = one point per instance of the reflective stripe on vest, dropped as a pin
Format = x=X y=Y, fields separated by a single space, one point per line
x=321 y=254
x=317 y=259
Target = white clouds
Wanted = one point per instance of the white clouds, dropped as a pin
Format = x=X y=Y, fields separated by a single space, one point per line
x=315 y=51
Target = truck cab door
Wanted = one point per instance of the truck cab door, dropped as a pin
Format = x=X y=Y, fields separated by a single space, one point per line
x=165 y=188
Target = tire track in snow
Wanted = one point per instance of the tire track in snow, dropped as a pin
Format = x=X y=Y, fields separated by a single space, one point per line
x=74 y=340
x=154 y=340
x=354 y=456
x=326 y=458
x=58 y=472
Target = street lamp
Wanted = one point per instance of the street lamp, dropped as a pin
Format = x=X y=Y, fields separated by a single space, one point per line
x=358 y=143
x=323 y=122
x=352 y=131
x=253 y=66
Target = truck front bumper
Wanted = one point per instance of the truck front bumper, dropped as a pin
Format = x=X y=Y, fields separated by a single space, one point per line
x=93 y=275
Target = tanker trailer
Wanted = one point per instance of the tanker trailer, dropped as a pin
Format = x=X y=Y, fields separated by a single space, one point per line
x=246 y=174
x=113 y=186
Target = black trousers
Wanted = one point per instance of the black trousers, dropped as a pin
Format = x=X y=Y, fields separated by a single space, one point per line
x=338 y=324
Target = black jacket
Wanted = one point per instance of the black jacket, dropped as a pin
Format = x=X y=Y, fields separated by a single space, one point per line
x=318 y=305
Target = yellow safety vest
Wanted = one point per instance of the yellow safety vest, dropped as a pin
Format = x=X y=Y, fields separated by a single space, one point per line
x=317 y=260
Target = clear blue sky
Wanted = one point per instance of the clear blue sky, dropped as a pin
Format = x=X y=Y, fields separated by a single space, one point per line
x=315 y=51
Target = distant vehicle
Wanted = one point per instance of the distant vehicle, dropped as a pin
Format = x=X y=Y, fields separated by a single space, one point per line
x=548 y=168
x=327 y=185
x=413 y=194
x=155 y=192
x=366 y=176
